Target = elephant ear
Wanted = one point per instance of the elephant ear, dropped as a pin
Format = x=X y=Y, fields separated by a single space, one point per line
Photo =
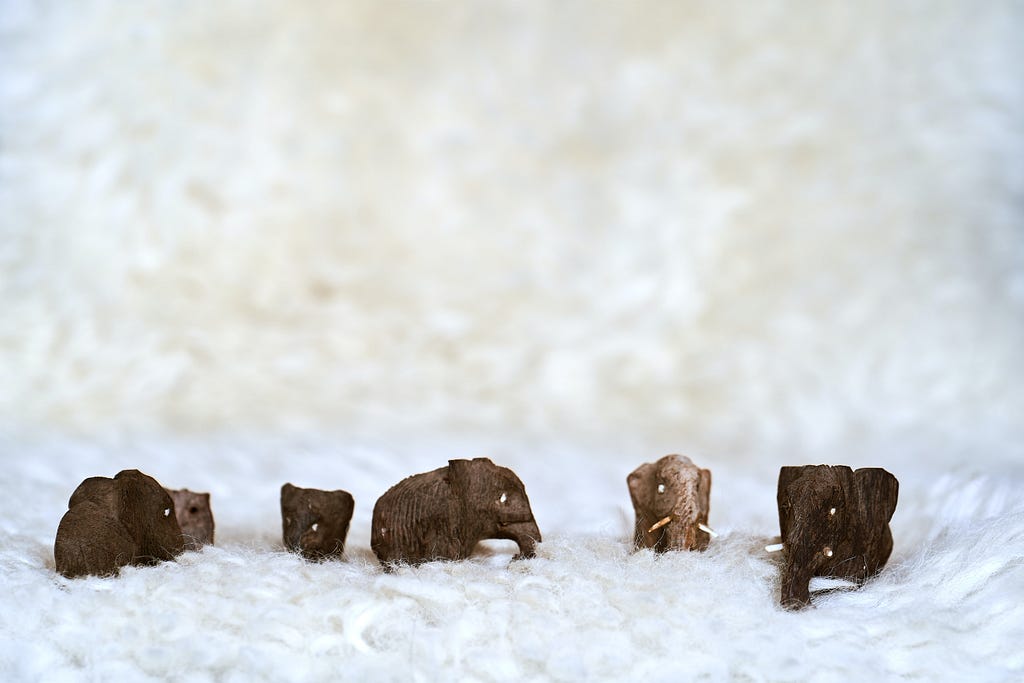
x=705 y=481
x=289 y=493
x=135 y=502
x=879 y=491
x=640 y=483
x=787 y=475
x=147 y=511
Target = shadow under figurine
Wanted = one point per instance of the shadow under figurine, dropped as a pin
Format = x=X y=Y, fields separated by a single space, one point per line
x=443 y=514
x=670 y=499
x=315 y=523
x=194 y=517
x=834 y=522
x=111 y=523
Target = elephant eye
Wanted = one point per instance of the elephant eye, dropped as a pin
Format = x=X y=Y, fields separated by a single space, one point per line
x=167 y=512
x=827 y=551
x=503 y=498
x=661 y=488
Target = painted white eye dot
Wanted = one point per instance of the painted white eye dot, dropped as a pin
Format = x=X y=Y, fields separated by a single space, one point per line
x=167 y=512
x=832 y=512
x=315 y=526
x=503 y=498
x=661 y=488
x=827 y=551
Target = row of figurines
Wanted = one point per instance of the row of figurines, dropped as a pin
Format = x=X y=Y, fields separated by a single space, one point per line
x=834 y=521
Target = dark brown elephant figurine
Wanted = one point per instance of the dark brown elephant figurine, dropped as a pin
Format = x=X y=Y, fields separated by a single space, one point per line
x=670 y=498
x=834 y=522
x=315 y=523
x=111 y=523
x=194 y=517
x=443 y=514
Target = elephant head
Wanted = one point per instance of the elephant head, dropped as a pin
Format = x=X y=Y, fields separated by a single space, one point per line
x=494 y=503
x=194 y=517
x=834 y=522
x=670 y=498
x=443 y=514
x=110 y=523
x=315 y=522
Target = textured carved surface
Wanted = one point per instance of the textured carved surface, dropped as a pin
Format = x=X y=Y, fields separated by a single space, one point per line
x=194 y=517
x=115 y=522
x=670 y=499
x=834 y=522
x=443 y=514
x=315 y=523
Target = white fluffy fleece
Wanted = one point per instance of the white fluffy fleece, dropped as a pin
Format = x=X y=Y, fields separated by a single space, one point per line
x=336 y=243
x=946 y=607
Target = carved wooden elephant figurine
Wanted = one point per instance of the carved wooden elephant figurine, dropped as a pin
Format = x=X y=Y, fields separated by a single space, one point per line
x=110 y=523
x=443 y=514
x=834 y=522
x=194 y=517
x=671 y=499
x=314 y=522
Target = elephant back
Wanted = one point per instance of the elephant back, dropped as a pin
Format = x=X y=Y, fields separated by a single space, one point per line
x=410 y=517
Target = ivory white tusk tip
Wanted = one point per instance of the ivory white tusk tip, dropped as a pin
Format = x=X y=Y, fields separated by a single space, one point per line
x=708 y=530
x=660 y=523
x=774 y=548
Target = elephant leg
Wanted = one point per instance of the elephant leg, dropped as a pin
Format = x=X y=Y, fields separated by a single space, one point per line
x=796 y=582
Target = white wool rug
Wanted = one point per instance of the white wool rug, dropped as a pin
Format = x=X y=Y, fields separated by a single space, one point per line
x=947 y=606
x=247 y=242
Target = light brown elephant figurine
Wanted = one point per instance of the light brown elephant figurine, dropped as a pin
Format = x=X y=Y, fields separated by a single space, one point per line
x=194 y=517
x=670 y=498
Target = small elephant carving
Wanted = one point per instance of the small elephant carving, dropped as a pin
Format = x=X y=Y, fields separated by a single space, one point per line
x=111 y=523
x=834 y=522
x=443 y=514
x=194 y=517
x=315 y=523
x=670 y=498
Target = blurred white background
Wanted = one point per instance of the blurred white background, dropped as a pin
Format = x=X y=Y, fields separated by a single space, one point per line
x=738 y=228
x=246 y=242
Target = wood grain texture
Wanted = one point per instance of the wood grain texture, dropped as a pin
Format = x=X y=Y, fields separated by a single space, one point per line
x=834 y=522
x=315 y=523
x=444 y=513
x=672 y=495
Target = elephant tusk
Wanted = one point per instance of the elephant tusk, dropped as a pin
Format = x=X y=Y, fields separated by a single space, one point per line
x=660 y=523
x=706 y=529
x=774 y=548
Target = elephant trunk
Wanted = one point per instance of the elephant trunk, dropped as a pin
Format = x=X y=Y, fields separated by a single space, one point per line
x=297 y=525
x=682 y=532
x=525 y=534
x=796 y=580
x=163 y=544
